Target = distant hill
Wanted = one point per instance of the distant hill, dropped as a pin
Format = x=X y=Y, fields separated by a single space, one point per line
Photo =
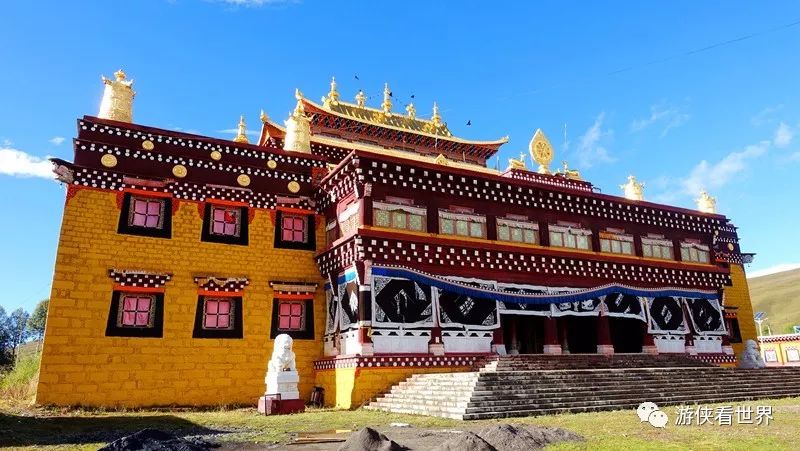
x=779 y=295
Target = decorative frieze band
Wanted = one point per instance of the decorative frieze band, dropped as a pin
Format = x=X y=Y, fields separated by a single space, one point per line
x=139 y=278
x=221 y=284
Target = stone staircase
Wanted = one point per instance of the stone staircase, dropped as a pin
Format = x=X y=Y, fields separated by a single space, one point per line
x=514 y=386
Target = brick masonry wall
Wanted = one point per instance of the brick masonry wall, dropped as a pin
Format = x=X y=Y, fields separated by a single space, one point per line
x=738 y=295
x=81 y=366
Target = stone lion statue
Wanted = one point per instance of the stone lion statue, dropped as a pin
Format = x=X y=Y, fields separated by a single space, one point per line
x=751 y=357
x=282 y=355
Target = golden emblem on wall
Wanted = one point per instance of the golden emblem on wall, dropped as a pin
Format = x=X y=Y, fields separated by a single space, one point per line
x=108 y=160
x=272 y=164
x=243 y=180
x=216 y=155
x=148 y=145
x=179 y=171
x=541 y=151
x=294 y=187
x=731 y=247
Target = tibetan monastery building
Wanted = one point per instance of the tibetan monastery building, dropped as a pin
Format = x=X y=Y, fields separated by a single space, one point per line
x=380 y=242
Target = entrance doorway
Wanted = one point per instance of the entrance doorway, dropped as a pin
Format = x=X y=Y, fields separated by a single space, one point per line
x=627 y=334
x=527 y=331
x=581 y=334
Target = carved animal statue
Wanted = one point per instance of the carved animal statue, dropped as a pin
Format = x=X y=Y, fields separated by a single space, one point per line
x=751 y=357
x=572 y=174
x=282 y=355
x=517 y=164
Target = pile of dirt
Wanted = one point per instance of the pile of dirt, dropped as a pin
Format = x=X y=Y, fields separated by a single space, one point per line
x=155 y=440
x=369 y=439
x=466 y=441
x=508 y=437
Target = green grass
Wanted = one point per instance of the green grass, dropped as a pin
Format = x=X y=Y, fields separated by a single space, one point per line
x=779 y=296
x=87 y=429
x=19 y=384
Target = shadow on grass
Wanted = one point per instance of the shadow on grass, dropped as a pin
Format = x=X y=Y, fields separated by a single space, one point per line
x=75 y=430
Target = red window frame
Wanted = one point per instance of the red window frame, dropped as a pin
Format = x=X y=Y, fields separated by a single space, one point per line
x=291 y=315
x=228 y=218
x=294 y=228
x=218 y=313
x=153 y=208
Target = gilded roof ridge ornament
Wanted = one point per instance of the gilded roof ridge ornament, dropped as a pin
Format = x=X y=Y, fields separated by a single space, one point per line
x=387 y=100
x=518 y=164
x=332 y=99
x=706 y=203
x=436 y=118
x=633 y=190
x=411 y=110
x=298 y=128
x=241 y=136
x=541 y=151
x=117 y=103
x=263 y=116
x=572 y=174
x=361 y=99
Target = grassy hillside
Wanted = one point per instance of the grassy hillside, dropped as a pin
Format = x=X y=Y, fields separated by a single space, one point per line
x=779 y=296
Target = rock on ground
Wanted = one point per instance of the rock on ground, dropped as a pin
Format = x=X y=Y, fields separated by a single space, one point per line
x=369 y=439
x=508 y=437
x=154 y=440
x=466 y=441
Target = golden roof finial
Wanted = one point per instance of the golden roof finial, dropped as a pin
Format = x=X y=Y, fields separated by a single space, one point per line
x=117 y=103
x=333 y=95
x=706 y=203
x=387 y=100
x=436 y=119
x=263 y=116
x=241 y=137
x=633 y=190
x=411 y=110
x=517 y=164
x=541 y=151
x=298 y=128
x=361 y=99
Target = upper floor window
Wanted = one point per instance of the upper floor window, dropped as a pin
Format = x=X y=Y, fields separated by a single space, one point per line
x=695 y=252
x=399 y=216
x=655 y=246
x=519 y=231
x=462 y=224
x=218 y=316
x=217 y=313
x=572 y=236
x=616 y=242
x=294 y=230
x=145 y=215
x=348 y=219
x=223 y=223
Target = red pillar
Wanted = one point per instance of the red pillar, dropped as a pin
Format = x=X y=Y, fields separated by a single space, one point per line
x=648 y=343
x=604 y=345
x=551 y=345
x=562 y=335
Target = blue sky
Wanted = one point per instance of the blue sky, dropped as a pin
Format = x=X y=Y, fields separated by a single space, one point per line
x=625 y=77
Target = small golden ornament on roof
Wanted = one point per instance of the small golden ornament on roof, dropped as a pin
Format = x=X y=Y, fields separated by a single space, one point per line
x=411 y=110
x=541 y=151
x=706 y=203
x=241 y=137
x=361 y=99
x=436 y=118
x=117 y=103
x=633 y=190
x=333 y=95
x=387 y=100
x=517 y=164
x=263 y=116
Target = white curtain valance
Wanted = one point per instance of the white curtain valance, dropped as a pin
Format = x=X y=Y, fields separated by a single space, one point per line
x=656 y=241
x=331 y=225
x=349 y=211
x=421 y=211
x=461 y=216
x=570 y=230
x=616 y=236
x=699 y=246
x=518 y=224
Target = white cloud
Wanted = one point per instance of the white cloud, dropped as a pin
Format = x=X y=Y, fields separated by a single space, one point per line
x=783 y=135
x=764 y=116
x=773 y=270
x=255 y=3
x=57 y=140
x=670 y=116
x=17 y=163
x=590 y=149
x=711 y=176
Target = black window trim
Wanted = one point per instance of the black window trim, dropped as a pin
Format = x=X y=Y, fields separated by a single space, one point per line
x=114 y=330
x=166 y=227
x=308 y=311
x=311 y=242
x=236 y=332
x=243 y=238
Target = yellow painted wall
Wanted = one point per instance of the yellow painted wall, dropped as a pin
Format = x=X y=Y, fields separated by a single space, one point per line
x=80 y=365
x=347 y=388
x=780 y=348
x=738 y=295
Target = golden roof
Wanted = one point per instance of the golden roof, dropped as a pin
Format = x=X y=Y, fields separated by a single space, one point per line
x=379 y=117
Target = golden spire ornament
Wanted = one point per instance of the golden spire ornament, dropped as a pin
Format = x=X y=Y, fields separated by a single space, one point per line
x=706 y=203
x=436 y=118
x=411 y=110
x=241 y=136
x=387 y=100
x=361 y=99
x=263 y=116
x=332 y=99
x=633 y=190
x=517 y=164
x=541 y=151
x=117 y=103
x=298 y=128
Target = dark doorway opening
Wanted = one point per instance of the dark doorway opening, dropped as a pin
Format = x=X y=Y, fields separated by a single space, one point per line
x=581 y=334
x=528 y=331
x=627 y=334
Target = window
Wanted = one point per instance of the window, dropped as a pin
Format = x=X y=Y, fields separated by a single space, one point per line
x=397 y=216
x=218 y=316
x=655 y=246
x=570 y=236
x=733 y=330
x=616 y=243
x=146 y=216
x=462 y=224
x=294 y=231
x=135 y=314
x=218 y=313
x=349 y=219
x=331 y=232
x=792 y=355
x=770 y=355
x=294 y=317
x=517 y=231
x=225 y=224
x=695 y=252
